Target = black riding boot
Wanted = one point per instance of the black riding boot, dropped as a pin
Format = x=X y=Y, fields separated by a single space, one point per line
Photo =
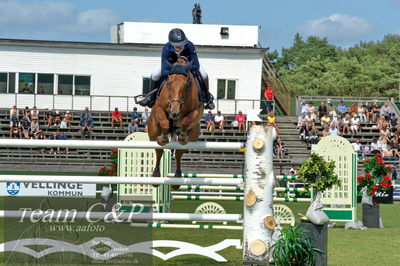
x=150 y=98
x=208 y=96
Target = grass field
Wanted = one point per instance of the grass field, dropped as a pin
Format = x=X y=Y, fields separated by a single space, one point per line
x=345 y=247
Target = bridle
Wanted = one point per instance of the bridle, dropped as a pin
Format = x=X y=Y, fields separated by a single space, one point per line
x=185 y=89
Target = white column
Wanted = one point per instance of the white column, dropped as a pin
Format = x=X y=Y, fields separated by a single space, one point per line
x=258 y=222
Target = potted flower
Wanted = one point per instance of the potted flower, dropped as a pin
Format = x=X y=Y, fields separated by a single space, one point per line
x=376 y=180
x=319 y=175
x=293 y=248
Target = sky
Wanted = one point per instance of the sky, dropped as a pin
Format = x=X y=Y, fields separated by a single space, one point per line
x=344 y=22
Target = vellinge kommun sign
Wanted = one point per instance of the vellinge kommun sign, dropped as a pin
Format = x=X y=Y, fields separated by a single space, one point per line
x=62 y=190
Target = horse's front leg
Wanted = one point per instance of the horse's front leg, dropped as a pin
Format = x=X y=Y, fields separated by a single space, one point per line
x=187 y=121
x=164 y=125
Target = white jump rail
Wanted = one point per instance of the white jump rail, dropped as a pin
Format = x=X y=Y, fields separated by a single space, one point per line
x=119 y=180
x=125 y=216
x=96 y=144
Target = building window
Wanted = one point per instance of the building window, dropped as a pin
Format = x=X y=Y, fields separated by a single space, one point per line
x=26 y=83
x=65 y=83
x=226 y=89
x=82 y=85
x=3 y=83
x=11 y=82
x=146 y=85
x=45 y=84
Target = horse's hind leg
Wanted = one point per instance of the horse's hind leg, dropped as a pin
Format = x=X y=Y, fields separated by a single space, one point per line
x=178 y=171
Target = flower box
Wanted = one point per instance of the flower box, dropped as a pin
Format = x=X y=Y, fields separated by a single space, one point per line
x=318 y=236
x=370 y=215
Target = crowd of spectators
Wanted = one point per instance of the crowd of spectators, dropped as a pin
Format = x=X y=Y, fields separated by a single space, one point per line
x=342 y=120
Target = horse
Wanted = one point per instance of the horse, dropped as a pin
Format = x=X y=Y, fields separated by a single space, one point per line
x=177 y=111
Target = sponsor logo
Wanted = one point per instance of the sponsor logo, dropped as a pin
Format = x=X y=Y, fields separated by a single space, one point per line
x=13 y=188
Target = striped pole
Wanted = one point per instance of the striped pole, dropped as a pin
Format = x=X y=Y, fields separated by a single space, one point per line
x=225 y=188
x=238 y=188
x=209 y=175
x=286 y=177
x=237 y=198
x=96 y=144
x=191 y=226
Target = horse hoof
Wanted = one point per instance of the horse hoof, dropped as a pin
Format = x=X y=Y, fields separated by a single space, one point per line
x=178 y=173
x=183 y=140
x=162 y=141
x=156 y=174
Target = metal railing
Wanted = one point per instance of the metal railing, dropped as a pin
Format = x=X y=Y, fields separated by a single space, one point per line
x=108 y=103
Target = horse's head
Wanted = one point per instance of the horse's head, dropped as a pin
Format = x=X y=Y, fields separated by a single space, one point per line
x=178 y=83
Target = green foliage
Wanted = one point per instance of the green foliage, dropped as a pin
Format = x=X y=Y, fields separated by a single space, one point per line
x=318 y=173
x=293 y=248
x=315 y=67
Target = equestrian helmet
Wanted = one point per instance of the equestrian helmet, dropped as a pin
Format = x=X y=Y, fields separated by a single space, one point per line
x=177 y=37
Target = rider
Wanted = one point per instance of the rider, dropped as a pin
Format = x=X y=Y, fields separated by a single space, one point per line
x=178 y=46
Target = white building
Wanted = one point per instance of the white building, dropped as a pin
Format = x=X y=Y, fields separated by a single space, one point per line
x=72 y=75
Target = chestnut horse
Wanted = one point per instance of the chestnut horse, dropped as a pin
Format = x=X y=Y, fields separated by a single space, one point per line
x=177 y=111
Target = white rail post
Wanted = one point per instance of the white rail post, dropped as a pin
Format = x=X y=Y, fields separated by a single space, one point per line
x=258 y=222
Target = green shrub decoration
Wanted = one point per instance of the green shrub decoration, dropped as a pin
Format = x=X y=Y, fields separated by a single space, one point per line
x=293 y=248
x=318 y=173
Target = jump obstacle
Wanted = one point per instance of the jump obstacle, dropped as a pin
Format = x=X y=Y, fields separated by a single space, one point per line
x=258 y=217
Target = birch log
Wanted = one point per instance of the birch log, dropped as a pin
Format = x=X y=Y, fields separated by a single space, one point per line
x=258 y=222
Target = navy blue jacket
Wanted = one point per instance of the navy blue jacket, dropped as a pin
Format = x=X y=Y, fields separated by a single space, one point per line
x=169 y=57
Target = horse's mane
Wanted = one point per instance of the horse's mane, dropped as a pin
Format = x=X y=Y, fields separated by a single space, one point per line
x=179 y=69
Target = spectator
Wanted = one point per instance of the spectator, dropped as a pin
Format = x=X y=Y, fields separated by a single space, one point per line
x=386 y=111
x=309 y=119
x=361 y=113
x=352 y=109
x=57 y=119
x=322 y=110
x=366 y=150
x=342 y=109
x=325 y=131
x=375 y=146
x=345 y=125
x=303 y=107
x=35 y=113
x=325 y=121
x=393 y=121
x=67 y=118
x=49 y=117
x=34 y=126
x=62 y=137
x=311 y=109
x=333 y=131
x=376 y=109
x=26 y=114
x=241 y=120
x=355 y=124
x=145 y=119
x=269 y=98
x=271 y=121
x=86 y=123
x=301 y=121
x=15 y=127
x=133 y=126
x=357 y=146
x=116 y=116
x=14 y=113
x=210 y=122
x=279 y=148
x=40 y=90
x=219 y=120
x=369 y=112
x=135 y=116
x=332 y=111
x=313 y=136
x=26 y=89
x=382 y=123
x=335 y=122
x=63 y=124
x=26 y=128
